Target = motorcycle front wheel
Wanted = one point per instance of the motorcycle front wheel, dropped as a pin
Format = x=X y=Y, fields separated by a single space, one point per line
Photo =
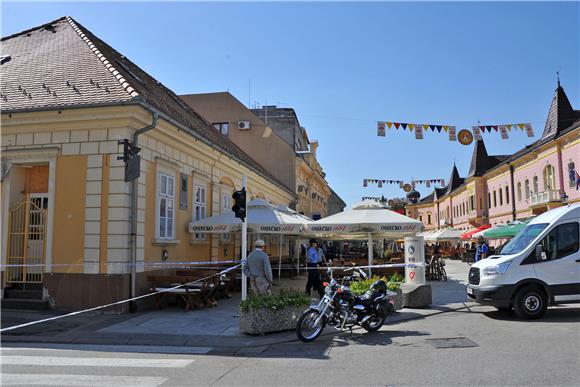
x=374 y=323
x=306 y=330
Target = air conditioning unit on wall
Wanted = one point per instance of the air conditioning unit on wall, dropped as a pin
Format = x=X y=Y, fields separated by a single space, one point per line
x=243 y=125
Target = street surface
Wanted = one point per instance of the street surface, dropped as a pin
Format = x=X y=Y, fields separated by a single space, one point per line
x=507 y=352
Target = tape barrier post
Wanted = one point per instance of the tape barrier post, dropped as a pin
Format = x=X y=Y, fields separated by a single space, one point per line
x=414 y=260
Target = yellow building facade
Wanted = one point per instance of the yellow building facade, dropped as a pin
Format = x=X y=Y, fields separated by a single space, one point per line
x=66 y=207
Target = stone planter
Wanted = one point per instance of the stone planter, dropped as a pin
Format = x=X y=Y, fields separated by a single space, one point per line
x=397 y=299
x=260 y=321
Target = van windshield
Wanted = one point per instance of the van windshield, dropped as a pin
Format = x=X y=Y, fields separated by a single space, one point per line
x=523 y=239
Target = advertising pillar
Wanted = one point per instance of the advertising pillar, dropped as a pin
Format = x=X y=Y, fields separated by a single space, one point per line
x=414 y=255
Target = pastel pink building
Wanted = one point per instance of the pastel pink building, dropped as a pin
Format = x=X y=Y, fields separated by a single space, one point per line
x=502 y=188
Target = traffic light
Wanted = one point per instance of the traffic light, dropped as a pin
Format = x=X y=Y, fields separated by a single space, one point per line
x=239 y=207
x=131 y=158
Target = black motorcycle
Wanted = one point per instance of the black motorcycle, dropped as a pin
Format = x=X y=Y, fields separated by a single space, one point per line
x=341 y=309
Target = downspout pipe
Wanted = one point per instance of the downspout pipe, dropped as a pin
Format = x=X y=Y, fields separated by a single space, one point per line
x=513 y=192
x=134 y=196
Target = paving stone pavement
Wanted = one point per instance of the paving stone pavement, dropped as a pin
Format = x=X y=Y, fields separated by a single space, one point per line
x=210 y=327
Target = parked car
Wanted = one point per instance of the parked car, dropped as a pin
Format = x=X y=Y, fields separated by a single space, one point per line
x=539 y=267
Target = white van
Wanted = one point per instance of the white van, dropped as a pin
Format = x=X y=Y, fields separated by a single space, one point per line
x=539 y=267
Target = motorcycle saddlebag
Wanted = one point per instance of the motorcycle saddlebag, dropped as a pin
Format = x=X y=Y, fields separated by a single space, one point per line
x=385 y=308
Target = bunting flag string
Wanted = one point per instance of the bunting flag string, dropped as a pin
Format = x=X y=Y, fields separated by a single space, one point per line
x=476 y=130
x=401 y=183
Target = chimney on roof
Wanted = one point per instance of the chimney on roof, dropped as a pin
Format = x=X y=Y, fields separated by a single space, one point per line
x=313 y=147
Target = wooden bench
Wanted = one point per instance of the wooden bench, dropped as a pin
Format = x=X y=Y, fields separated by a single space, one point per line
x=192 y=295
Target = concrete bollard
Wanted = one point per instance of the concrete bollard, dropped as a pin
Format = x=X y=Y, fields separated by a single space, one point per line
x=416 y=291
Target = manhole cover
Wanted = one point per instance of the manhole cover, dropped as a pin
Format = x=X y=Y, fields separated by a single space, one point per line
x=452 y=342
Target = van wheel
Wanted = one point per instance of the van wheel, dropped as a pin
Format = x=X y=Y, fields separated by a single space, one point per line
x=530 y=303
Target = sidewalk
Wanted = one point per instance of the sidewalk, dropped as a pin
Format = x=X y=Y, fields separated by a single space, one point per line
x=209 y=327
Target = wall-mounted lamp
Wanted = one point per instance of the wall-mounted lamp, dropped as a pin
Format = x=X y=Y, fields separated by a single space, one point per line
x=164 y=255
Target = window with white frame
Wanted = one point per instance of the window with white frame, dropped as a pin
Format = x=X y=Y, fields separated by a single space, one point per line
x=519 y=191
x=527 y=187
x=166 y=207
x=549 y=178
x=536 y=186
x=226 y=206
x=199 y=207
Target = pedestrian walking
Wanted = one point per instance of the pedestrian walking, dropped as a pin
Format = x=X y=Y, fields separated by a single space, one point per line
x=258 y=269
x=313 y=260
x=482 y=249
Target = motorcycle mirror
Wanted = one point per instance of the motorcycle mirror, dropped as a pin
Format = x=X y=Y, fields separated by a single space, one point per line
x=362 y=273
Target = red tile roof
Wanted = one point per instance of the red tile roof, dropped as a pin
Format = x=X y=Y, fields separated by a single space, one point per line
x=63 y=64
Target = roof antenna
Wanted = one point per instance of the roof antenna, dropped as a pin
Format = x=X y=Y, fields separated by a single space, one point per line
x=558 y=76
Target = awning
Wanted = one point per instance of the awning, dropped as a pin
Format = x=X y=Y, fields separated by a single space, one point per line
x=469 y=234
x=507 y=231
x=445 y=234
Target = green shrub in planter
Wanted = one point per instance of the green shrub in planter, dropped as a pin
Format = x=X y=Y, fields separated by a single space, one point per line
x=286 y=298
x=259 y=315
x=393 y=284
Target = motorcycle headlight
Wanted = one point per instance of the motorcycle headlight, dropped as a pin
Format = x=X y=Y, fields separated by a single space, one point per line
x=327 y=290
x=495 y=270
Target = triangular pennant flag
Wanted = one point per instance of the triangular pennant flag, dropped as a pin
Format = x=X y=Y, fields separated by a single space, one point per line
x=432 y=127
x=494 y=127
x=439 y=127
x=445 y=128
x=521 y=126
x=425 y=126
x=404 y=125
x=389 y=124
x=396 y=125
x=509 y=126
x=488 y=127
x=411 y=126
x=482 y=128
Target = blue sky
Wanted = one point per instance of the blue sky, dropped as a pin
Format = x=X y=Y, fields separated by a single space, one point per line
x=343 y=66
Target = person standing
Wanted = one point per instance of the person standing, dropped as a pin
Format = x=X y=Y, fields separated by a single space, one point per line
x=482 y=249
x=258 y=269
x=313 y=259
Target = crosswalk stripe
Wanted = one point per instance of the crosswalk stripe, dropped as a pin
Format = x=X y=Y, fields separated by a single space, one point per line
x=78 y=380
x=95 y=362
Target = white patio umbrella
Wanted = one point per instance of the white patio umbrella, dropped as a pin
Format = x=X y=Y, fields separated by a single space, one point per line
x=445 y=234
x=365 y=220
x=262 y=218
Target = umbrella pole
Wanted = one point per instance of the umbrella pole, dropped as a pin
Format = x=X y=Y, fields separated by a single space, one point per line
x=280 y=258
x=370 y=246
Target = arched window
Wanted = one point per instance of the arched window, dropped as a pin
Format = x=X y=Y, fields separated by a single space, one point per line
x=428 y=218
x=549 y=178
x=519 y=191
x=507 y=195
x=536 y=186
x=420 y=218
x=527 y=187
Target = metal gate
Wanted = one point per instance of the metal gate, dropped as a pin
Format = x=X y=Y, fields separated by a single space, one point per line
x=27 y=240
